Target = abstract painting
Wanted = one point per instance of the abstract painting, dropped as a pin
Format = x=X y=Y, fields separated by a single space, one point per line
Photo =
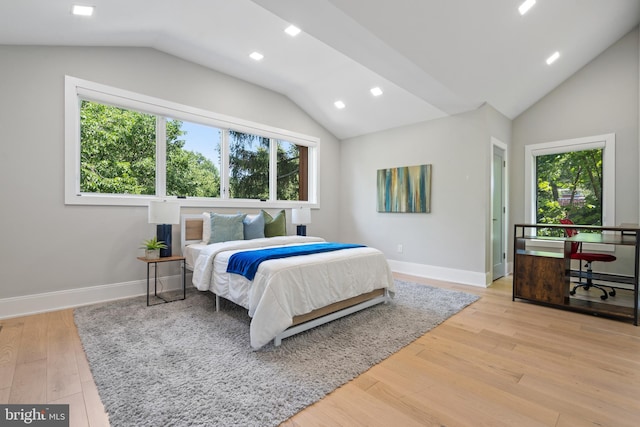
x=405 y=189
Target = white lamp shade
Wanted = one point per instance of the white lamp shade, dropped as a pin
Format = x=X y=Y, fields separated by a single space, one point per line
x=164 y=212
x=301 y=216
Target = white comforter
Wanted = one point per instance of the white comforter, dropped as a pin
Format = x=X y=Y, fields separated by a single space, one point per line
x=289 y=287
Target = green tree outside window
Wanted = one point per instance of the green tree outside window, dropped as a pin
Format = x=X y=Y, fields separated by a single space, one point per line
x=569 y=185
x=118 y=156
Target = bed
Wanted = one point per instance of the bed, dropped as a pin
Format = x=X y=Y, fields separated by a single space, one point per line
x=287 y=295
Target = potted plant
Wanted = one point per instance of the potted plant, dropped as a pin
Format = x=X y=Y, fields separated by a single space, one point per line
x=152 y=248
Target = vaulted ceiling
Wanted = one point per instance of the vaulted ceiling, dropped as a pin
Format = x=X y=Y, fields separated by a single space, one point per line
x=431 y=58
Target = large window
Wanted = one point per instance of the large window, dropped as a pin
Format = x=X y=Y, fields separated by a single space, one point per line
x=569 y=185
x=124 y=148
x=572 y=179
x=118 y=150
x=248 y=166
x=193 y=159
x=292 y=171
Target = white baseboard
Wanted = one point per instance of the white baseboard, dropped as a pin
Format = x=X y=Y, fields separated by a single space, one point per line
x=51 y=301
x=440 y=273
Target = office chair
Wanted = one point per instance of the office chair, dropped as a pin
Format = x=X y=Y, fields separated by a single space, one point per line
x=588 y=258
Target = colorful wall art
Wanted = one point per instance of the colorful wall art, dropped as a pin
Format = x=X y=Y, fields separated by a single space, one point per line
x=405 y=189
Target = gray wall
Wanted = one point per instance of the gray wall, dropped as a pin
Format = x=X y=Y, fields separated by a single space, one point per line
x=600 y=98
x=49 y=247
x=56 y=250
x=454 y=241
x=451 y=242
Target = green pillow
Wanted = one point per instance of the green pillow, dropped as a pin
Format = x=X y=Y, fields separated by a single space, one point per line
x=275 y=226
x=226 y=227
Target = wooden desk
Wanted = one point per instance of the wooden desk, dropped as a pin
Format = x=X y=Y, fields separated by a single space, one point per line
x=545 y=277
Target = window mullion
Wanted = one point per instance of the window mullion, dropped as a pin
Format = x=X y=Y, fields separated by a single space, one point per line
x=224 y=160
x=273 y=169
x=161 y=156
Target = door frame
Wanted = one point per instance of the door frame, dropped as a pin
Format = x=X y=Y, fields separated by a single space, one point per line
x=497 y=144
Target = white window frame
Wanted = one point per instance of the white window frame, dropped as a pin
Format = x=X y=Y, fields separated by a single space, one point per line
x=608 y=144
x=77 y=90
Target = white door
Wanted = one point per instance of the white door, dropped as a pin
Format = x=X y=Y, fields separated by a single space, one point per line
x=498 y=212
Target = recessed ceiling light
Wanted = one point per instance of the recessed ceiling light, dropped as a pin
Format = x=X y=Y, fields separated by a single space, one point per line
x=257 y=56
x=552 y=58
x=292 y=30
x=339 y=105
x=376 y=91
x=524 y=7
x=82 y=10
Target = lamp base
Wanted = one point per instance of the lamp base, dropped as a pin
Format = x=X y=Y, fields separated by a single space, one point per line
x=302 y=230
x=163 y=233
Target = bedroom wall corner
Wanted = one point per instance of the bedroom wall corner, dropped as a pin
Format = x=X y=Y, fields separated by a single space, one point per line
x=500 y=133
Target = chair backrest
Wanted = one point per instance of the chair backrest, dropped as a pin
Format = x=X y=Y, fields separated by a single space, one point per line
x=570 y=232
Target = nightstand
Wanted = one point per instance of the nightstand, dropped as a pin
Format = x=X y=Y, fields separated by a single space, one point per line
x=155 y=277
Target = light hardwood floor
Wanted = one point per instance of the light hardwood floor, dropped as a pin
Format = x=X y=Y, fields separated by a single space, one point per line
x=496 y=363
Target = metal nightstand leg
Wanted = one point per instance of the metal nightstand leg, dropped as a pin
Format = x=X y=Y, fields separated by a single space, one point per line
x=148 y=283
x=155 y=282
x=184 y=281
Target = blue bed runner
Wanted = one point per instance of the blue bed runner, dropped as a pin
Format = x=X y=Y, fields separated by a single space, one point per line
x=246 y=263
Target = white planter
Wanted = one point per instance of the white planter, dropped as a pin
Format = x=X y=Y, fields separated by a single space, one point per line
x=152 y=253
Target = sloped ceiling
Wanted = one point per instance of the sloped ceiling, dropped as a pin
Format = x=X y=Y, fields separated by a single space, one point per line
x=431 y=58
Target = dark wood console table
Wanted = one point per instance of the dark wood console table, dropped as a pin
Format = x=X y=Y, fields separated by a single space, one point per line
x=545 y=276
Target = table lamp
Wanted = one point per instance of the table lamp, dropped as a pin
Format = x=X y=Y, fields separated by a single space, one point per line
x=164 y=213
x=301 y=217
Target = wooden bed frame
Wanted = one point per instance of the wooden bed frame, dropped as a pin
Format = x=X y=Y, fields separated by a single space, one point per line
x=191 y=232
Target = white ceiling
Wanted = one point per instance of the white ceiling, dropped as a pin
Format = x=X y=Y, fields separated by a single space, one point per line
x=432 y=58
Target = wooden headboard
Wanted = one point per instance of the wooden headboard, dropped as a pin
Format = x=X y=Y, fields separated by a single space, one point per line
x=190 y=229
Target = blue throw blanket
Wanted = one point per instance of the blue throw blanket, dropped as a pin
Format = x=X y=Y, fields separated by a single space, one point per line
x=246 y=263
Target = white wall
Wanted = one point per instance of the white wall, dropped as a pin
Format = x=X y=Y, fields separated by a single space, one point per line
x=454 y=241
x=450 y=243
x=601 y=98
x=94 y=247
x=48 y=247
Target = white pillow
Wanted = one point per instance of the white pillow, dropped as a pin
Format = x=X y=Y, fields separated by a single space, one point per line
x=206 y=227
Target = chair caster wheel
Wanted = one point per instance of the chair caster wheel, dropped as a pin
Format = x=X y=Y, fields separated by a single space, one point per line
x=572 y=292
x=604 y=297
x=612 y=293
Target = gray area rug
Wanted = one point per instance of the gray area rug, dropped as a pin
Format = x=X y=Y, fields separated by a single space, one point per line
x=183 y=364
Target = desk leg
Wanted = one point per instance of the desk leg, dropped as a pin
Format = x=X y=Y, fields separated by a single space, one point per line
x=636 y=280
